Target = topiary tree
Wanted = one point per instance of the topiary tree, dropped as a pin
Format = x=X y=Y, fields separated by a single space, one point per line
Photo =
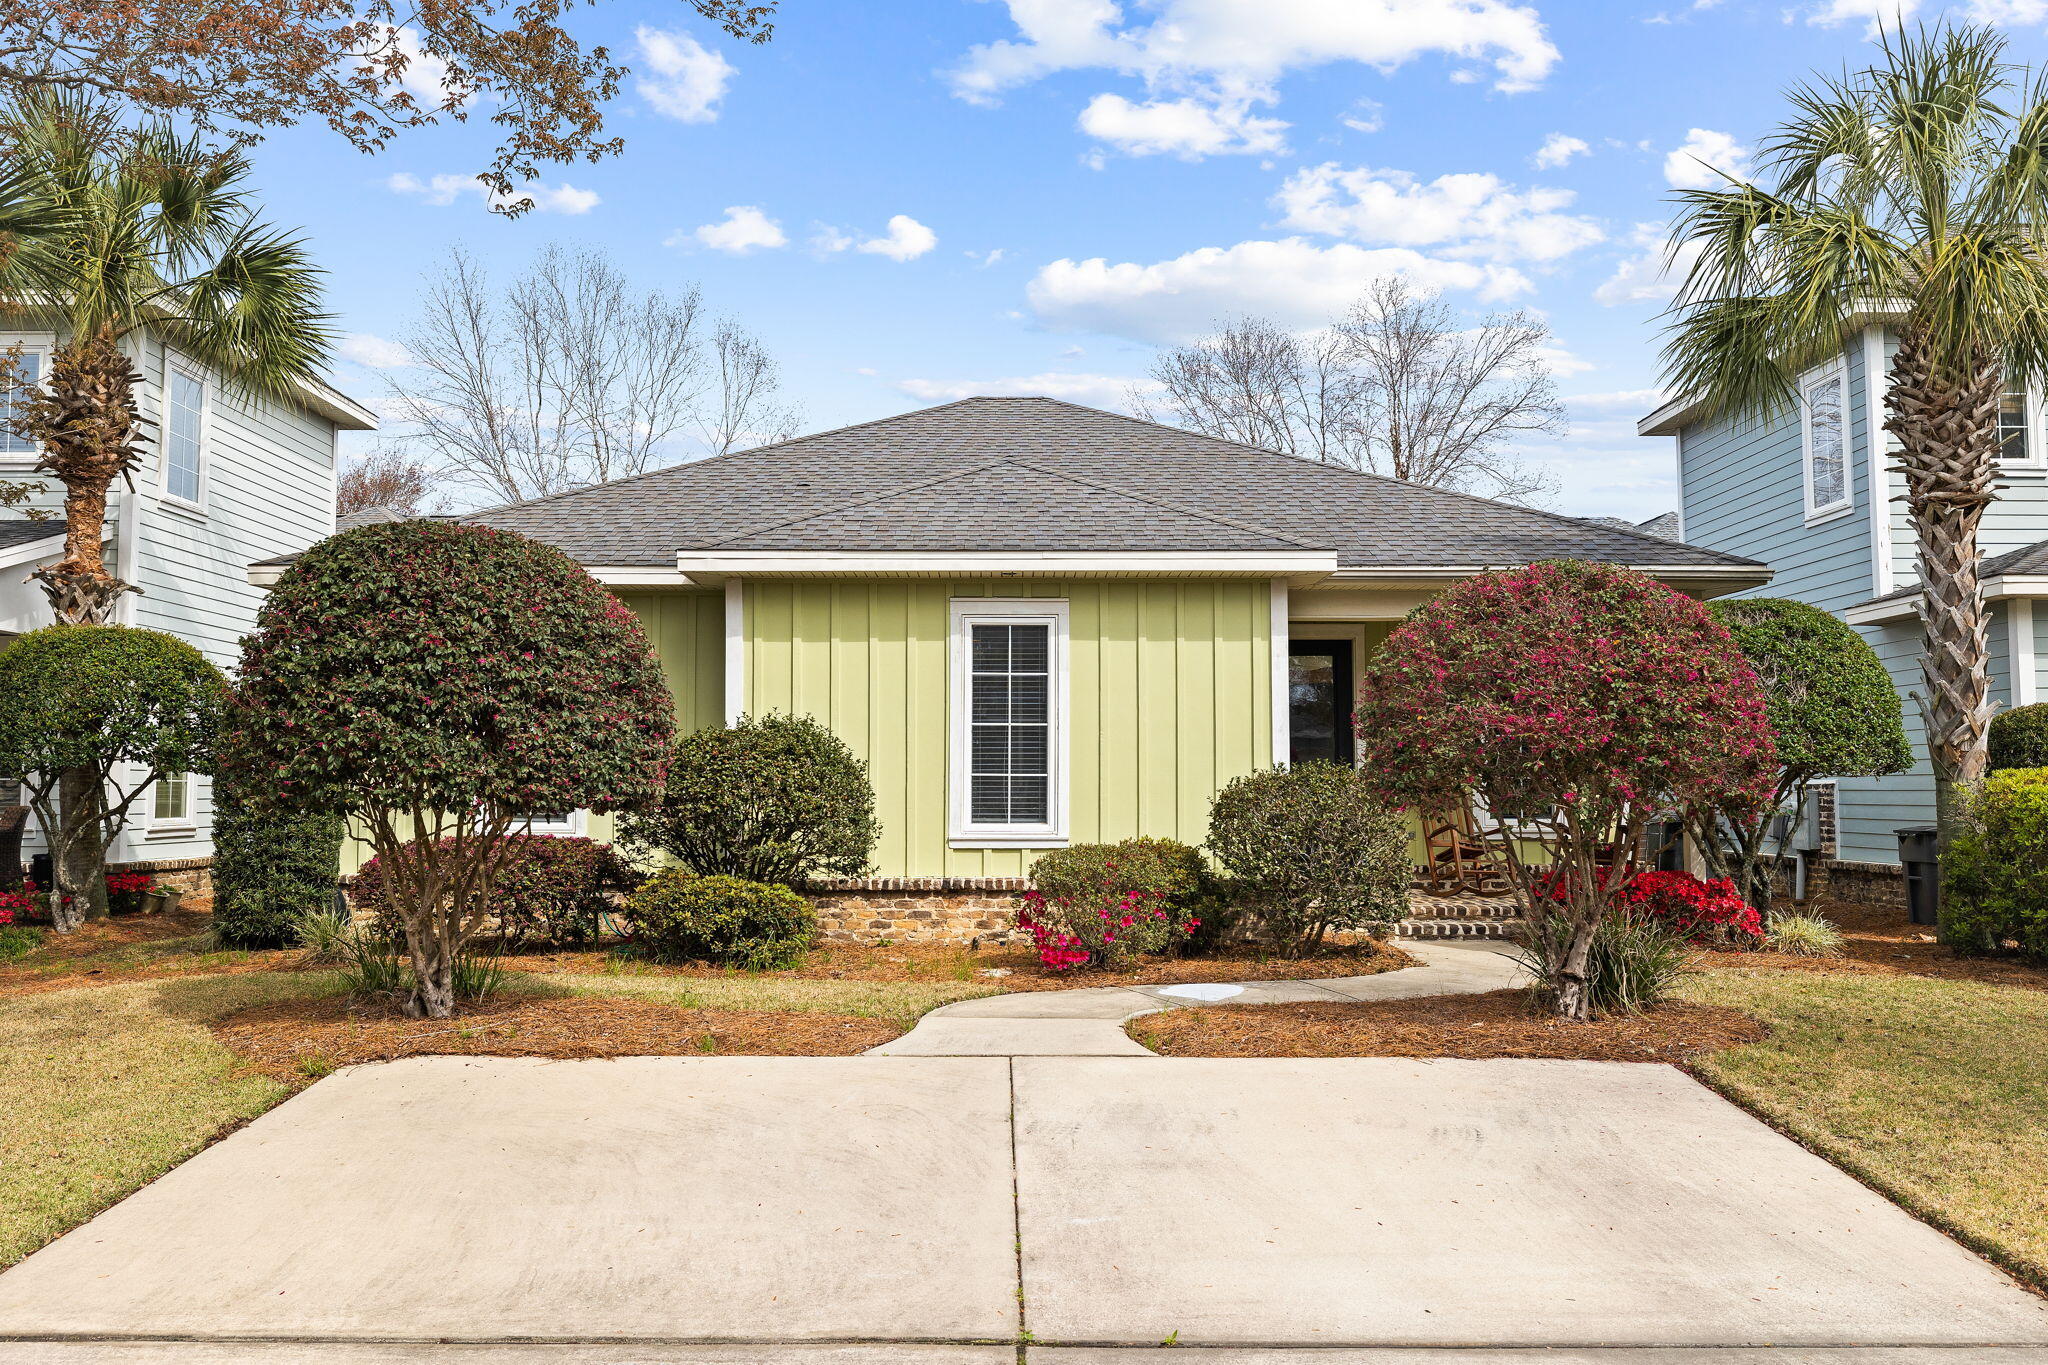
x=1310 y=849
x=1588 y=696
x=440 y=683
x=270 y=866
x=770 y=799
x=1833 y=712
x=2019 y=738
x=84 y=707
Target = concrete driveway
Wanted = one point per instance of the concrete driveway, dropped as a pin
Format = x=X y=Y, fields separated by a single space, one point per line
x=928 y=1211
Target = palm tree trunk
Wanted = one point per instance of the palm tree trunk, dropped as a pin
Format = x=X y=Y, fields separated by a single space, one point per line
x=1947 y=426
x=86 y=424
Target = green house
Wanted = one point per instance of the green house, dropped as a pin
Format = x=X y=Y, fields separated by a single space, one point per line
x=1044 y=624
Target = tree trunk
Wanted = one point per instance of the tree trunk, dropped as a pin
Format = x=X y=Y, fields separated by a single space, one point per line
x=84 y=420
x=77 y=855
x=433 y=972
x=1947 y=426
x=1574 y=1001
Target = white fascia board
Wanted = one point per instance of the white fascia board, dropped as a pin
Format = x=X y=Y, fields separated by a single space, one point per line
x=28 y=552
x=1908 y=607
x=637 y=576
x=1297 y=565
x=265 y=575
x=1735 y=575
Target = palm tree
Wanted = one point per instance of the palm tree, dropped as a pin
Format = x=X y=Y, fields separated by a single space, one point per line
x=105 y=231
x=1917 y=187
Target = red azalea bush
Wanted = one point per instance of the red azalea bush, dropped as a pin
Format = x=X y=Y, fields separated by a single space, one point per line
x=1107 y=904
x=27 y=905
x=1706 y=914
x=125 y=891
x=549 y=889
x=1589 y=689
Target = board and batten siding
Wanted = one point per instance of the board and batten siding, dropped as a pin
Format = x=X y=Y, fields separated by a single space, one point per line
x=1170 y=697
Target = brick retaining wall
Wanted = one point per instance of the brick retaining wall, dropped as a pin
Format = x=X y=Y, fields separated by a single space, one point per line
x=193 y=876
x=920 y=909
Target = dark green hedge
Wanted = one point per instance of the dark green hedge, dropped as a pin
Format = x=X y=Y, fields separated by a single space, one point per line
x=2019 y=738
x=269 y=868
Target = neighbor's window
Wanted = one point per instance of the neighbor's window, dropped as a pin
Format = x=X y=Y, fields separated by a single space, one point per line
x=184 y=415
x=1827 y=451
x=1008 y=731
x=2018 y=441
x=173 y=799
x=28 y=371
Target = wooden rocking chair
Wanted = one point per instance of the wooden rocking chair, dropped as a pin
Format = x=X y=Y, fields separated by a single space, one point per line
x=1456 y=858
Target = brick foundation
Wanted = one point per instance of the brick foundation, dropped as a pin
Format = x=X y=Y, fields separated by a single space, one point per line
x=920 y=909
x=1866 y=883
x=193 y=876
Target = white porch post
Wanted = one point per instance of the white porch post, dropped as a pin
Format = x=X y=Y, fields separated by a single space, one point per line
x=735 y=650
x=2019 y=625
x=1282 y=729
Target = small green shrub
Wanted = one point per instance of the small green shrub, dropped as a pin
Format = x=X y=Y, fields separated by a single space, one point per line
x=1803 y=936
x=1994 y=877
x=271 y=867
x=770 y=799
x=1310 y=849
x=18 y=941
x=1106 y=904
x=677 y=916
x=2019 y=738
x=1632 y=964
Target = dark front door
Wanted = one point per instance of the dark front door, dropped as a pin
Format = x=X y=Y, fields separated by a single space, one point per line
x=1319 y=698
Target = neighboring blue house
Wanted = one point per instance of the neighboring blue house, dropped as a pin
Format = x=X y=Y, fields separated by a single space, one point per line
x=1807 y=491
x=225 y=481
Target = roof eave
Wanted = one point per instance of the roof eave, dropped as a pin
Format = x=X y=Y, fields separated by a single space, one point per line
x=1906 y=606
x=1694 y=580
x=709 y=567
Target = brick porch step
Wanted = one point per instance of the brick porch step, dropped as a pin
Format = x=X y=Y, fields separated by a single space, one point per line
x=1501 y=929
x=1439 y=917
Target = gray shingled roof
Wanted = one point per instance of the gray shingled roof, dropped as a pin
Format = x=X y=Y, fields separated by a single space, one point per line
x=368 y=516
x=1036 y=473
x=22 y=531
x=2025 y=561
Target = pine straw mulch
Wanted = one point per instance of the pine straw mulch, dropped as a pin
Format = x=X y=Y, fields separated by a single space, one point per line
x=1881 y=941
x=301 y=1040
x=134 y=948
x=1494 y=1024
x=1010 y=968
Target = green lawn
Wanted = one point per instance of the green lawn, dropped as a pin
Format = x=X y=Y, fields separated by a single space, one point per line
x=1933 y=1091
x=105 y=1088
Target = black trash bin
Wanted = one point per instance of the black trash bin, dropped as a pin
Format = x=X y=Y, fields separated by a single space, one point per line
x=1923 y=873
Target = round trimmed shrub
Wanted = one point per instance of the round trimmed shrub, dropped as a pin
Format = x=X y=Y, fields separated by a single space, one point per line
x=1832 y=708
x=270 y=867
x=2019 y=737
x=677 y=916
x=1994 y=876
x=1310 y=849
x=550 y=890
x=774 y=798
x=1106 y=904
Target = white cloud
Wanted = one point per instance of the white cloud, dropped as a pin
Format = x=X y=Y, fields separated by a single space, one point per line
x=1365 y=116
x=2009 y=11
x=743 y=229
x=688 y=78
x=1241 y=49
x=1471 y=214
x=1187 y=128
x=374 y=352
x=1094 y=390
x=985 y=259
x=445 y=189
x=1558 y=150
x=1643 y=400
x=1872 y=13
x=1642 y=278
x=1295 y=282
x=905 y=240
x=1692 y=164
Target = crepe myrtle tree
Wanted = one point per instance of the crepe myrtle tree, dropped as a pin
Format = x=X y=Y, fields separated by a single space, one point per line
x=1833 y=712
x=90 y=718
x=440 y=684
x=1587 y=696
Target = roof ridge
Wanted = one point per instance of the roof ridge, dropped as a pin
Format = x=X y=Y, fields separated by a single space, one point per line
x=1136 y=496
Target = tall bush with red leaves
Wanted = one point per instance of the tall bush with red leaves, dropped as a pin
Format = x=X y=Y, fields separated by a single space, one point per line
x=1590 y=692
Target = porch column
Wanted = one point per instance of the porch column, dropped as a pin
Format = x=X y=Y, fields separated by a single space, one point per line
x=735 y=650
x=1283 y=728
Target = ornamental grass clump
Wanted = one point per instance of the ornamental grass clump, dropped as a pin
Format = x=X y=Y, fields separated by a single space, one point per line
x=439 y=683
x=677 y=916
x=1109 y=904
x=1310 y=849
x=1803 y=936
x=1590 y=695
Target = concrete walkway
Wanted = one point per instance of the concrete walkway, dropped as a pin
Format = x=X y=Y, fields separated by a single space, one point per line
x=1089 y=1022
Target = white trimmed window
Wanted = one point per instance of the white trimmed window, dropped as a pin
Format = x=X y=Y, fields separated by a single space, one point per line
x=2019 y=425
x=1008 y=774
x=172 y=806
x=28 y=372
x=557 y=822
x=184 y=436
x=1824 y=437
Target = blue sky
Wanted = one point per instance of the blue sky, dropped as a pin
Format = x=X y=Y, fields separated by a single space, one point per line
x=911 y=200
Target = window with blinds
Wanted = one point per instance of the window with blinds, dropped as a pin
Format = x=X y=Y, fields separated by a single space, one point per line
x=1007 y=741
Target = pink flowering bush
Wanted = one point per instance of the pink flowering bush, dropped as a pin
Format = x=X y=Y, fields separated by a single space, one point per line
x=1108 y=904
x=1588 y=691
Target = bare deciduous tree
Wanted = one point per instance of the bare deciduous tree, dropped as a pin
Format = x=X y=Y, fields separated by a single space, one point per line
x=1396 y=387
x=569 y=375
x=388 y=477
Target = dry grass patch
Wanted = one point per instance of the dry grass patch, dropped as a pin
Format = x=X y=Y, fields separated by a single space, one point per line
x=1511 y=1023
x=1935 y=1091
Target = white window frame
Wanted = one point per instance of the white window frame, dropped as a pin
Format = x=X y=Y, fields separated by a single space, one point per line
x=1837 y=371
x=573 y=827
x=967 y=613
x=2036 y=461
x=173 y=366
x=38 y=344
x=171 y=826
